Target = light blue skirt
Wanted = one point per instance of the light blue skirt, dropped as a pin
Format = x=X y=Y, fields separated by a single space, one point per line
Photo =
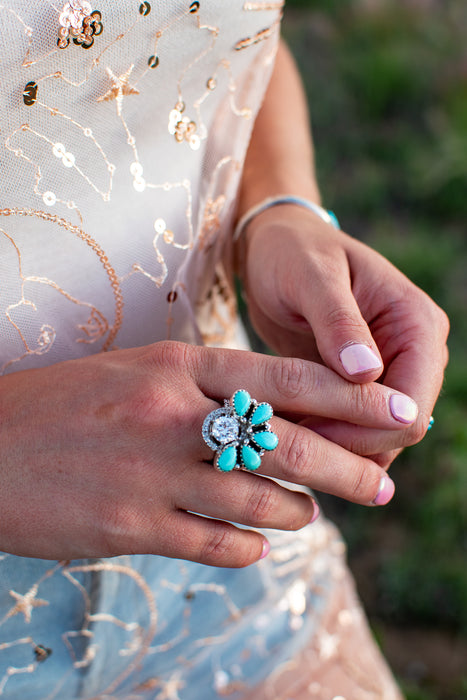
x=147 y=627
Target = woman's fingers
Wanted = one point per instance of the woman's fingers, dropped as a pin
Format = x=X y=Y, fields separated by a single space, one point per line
x=299 y=386
x=245 y=498
x=367 y=441
x=304 y=457
x=212 y=542
x=304 y=281
x=324 y=295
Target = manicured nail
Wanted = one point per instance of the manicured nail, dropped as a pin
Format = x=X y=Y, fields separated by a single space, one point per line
x=358 y=358
x=403 y=408
x=316 y=512
x=385 y=491
x=266 y=549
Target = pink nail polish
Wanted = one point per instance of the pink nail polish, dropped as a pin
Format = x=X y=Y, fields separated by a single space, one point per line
x=403 y=408
x=266 y=549
x=385 y=491
x=316 y=512
x=358 y=358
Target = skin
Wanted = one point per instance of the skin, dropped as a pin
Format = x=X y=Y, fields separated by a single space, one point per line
x=104 y=455
x=313 y=290
x=113 y=461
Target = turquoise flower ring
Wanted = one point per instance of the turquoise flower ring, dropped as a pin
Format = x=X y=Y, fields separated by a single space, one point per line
x=239 y=433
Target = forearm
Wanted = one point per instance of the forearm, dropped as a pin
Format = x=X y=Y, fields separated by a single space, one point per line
x=280 y=157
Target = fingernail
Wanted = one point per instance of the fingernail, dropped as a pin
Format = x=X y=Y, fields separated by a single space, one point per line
x=266 y=549
x=316 y=512
x=403 y=408
x=385 y=491
x=358 y=358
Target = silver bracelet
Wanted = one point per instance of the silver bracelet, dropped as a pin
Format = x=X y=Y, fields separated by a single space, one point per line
x=328 y=216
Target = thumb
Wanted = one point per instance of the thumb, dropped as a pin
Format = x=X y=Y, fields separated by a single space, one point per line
x=342 y=335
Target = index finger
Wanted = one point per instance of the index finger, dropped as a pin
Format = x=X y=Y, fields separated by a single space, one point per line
x=299 y=386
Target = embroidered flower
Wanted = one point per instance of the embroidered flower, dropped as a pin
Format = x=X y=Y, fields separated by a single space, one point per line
x=183 y=128
x=79 y=21
x=74 y=13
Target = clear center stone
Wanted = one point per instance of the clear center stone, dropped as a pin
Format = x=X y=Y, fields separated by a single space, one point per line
x=225 y=429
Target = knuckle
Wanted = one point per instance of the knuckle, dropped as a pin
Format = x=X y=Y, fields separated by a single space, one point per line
x=300 y=515
x=443 y=323
x=343 y=319
x=299 y=455
x=219 y=544
x=262 y=504
x=365 y=400
x=172 y=355
x=147 y=404
x=359 y=445
x=160 y=406
x=385 y=459
x=359 y=486
x=433 y=318
x=288 y=376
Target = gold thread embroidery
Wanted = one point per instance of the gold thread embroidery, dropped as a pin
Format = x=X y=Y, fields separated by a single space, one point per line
x=262 y=35
x=95 y=328
x=148 y=635
x=111 y=274
x=68 y=159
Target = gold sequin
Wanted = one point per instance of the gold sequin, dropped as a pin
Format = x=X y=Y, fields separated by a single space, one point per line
x=255 y=39
x=30 y=93
x=144 y=9
x=41 y=653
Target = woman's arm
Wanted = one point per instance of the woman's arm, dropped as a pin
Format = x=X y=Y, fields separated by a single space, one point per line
x=317 y=293
x=104 y=455
x=280 y=158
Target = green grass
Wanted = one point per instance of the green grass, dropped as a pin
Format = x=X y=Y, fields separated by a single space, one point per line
x=387 y=90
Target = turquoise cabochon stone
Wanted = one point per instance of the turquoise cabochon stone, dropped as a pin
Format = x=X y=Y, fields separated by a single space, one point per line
x=241 y=402
x=261 y=414
x=250 y=457
x=227 y=459
x=267 y=440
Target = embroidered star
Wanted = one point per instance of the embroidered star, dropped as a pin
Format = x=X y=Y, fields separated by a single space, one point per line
x=120 y=87
x=171 y=688
x=25 y=603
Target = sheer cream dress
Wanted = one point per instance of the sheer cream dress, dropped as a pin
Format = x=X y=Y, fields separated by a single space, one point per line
x=120 y=156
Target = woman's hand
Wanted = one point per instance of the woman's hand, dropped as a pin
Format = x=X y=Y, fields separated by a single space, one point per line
x=316 y=293
x=104 y=455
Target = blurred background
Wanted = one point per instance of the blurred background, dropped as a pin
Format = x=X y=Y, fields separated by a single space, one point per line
x=387 y=88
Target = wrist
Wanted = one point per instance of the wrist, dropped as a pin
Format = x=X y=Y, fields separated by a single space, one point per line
x=271 y=179
x=283 y=199
x=264 y=213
